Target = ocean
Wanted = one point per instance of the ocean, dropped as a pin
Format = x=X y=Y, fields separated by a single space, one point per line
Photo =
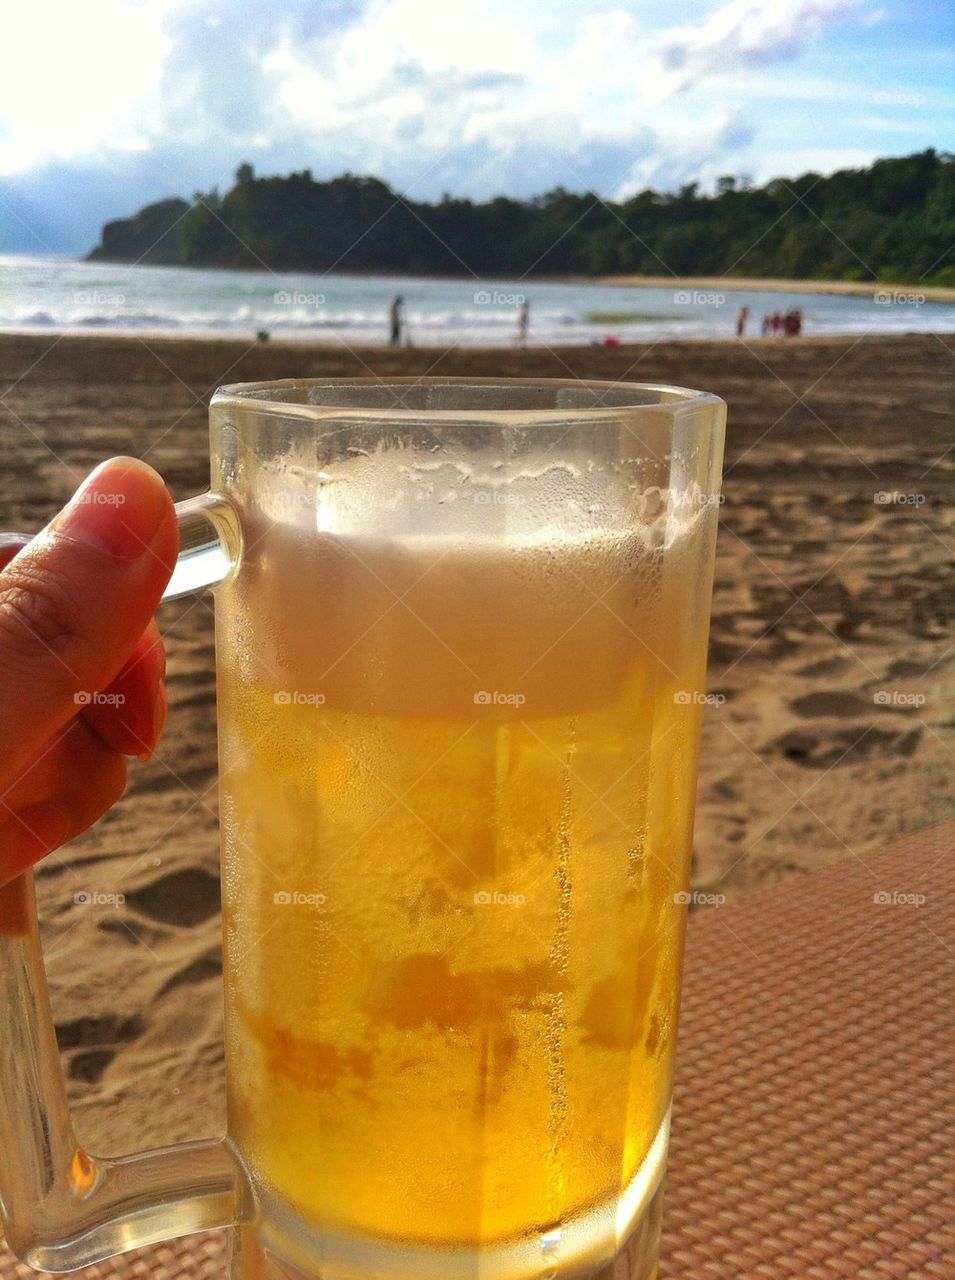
x=64 y=295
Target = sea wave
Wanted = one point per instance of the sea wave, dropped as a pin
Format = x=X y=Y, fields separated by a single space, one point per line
x=31 y=318
x=127 y=320
x=244 y=318
x=78 y=297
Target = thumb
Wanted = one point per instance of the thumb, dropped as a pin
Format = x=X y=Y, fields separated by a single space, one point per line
x=75 y=601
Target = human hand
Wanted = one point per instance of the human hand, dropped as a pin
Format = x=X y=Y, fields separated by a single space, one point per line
x=81 y=660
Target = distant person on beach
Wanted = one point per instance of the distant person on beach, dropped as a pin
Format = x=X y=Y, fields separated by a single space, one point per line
x=396 y=320
x=523 y=323
x=776 y=323
x=81 y=661
x=766 y=327
x=741 y=317
x=797 y=323
x=792 y=323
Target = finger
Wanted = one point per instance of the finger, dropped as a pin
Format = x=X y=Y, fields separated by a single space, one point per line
x=64 y=766
x=60 y=792
x=130 y=712
x=75 y=601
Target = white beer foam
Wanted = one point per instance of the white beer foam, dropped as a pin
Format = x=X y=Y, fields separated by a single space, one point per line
x=419 y=599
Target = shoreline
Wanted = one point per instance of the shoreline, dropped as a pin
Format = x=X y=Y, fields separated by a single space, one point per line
x=324 y=344
x=758 y=284
x=729 y=284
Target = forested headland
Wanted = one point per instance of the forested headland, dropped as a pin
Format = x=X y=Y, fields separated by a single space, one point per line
x=892 y=222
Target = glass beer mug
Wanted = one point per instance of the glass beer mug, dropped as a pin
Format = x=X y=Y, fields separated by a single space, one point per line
x=461 y=637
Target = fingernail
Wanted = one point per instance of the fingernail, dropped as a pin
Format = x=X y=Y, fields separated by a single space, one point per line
x=116 y=509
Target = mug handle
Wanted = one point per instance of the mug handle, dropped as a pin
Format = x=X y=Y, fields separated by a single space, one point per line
x=61 y=1207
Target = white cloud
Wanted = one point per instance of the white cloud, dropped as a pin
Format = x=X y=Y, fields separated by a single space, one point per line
x=73 y=76
x=873 y=17
x=739 y=34
x=392 y=86
x=815 y=160
x=693 y=155
x=407 y=68
x=139 y=99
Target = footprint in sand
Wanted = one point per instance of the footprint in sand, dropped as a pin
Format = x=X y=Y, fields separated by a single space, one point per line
x=133 y=932
x=832 y=702
x=108 y=1029
x=208 y=965
x=847 y=745
x=95 y=1043
x=183 y=898
x=905 y=669
x=89 y=1065
x=725 y=789
x=834 y=666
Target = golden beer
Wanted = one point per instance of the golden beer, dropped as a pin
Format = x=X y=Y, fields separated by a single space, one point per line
x=457 y=792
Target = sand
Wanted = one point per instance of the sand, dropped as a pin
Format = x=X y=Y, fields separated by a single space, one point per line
x=764 y=284
x=831 y=647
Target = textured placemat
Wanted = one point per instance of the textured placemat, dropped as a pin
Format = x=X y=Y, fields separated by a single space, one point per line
x=815 y=1091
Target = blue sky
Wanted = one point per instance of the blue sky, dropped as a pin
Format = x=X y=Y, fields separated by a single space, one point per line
x=112 y=103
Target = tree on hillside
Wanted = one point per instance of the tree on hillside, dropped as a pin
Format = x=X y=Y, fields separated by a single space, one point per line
x=893 y=221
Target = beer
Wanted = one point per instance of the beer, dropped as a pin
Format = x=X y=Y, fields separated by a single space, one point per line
x=457 y=788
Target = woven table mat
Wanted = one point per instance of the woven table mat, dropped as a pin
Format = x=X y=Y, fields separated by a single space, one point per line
x=815 y=1093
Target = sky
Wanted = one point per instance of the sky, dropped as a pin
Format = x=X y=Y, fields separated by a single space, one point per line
x=109 y=104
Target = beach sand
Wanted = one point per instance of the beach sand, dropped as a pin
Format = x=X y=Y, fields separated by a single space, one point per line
x=831 y=645
x=767 y=284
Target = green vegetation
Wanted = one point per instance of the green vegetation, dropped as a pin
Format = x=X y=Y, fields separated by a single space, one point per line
x=891 y=223
x=152 y=235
